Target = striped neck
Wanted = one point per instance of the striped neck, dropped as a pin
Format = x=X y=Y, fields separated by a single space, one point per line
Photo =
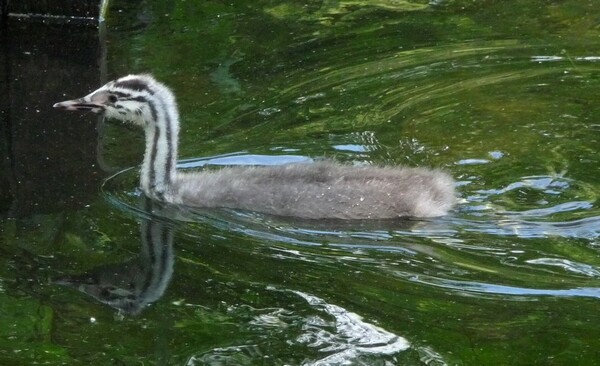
x=161 y=125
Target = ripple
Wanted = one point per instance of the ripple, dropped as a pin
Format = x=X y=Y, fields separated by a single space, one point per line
x=492 y=220
x=547 y=211
x=472 y=161
x=551 y=58
x=587 y=228
x=571 y=266
x=549 y=185
x=516 y=293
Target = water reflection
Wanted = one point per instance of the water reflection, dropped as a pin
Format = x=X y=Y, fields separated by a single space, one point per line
x=515 y=293
x=132 y=285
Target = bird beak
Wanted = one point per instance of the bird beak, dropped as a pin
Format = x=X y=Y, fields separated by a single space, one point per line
x=79 y=105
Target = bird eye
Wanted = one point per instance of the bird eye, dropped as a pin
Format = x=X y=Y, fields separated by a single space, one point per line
x=112 y=98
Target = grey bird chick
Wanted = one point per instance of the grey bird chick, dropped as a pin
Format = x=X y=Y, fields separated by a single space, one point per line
x=314 y=191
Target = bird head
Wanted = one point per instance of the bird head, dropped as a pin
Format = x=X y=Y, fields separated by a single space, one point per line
x=133 y=98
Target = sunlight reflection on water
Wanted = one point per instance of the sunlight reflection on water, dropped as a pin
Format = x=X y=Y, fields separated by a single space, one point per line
x=337 y=336
x=352 y=337
x=519 y=293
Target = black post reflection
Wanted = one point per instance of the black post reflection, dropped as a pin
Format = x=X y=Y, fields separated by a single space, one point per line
x=46 y=166
x=132 y=285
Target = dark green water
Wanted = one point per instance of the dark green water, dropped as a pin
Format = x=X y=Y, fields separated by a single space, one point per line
x=502 y=94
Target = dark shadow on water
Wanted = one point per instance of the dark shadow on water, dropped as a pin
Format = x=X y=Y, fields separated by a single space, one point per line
x=47 y=163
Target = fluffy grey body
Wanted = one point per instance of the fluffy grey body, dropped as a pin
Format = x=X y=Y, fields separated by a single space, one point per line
x=319 y=190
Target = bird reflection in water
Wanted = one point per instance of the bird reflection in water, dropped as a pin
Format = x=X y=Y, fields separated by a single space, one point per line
x=133 y=285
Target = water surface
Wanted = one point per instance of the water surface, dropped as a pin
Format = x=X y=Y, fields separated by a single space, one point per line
x=500 y=94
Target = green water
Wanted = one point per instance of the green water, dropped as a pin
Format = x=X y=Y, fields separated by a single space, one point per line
x=501 y=94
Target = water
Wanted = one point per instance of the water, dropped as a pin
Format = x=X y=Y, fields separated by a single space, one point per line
x=501 y=94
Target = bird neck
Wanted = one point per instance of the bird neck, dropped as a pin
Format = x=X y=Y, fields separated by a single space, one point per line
x=160 y=158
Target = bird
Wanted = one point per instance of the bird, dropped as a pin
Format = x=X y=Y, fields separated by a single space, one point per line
x=317 y=190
